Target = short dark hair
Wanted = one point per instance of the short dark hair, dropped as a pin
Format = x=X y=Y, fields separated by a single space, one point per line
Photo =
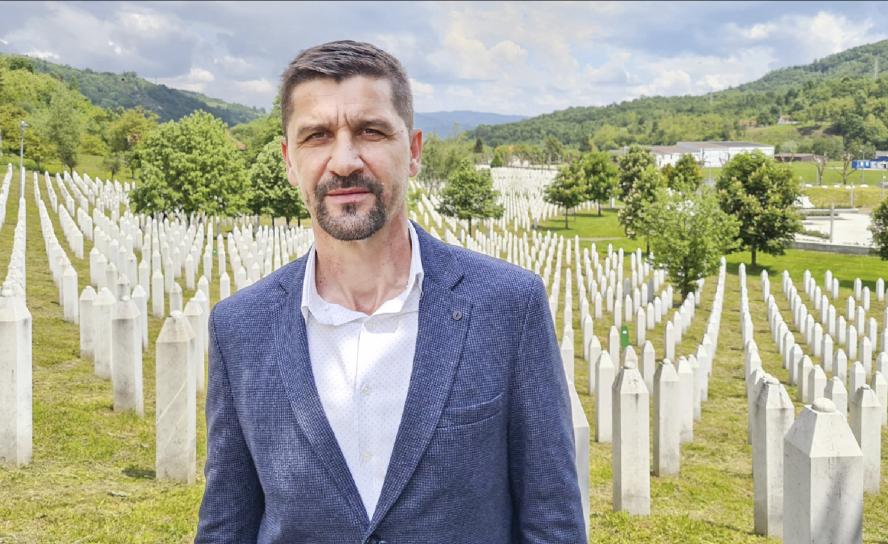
x=341 y=60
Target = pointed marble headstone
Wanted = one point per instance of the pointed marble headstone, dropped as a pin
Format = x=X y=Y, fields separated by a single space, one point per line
x=822 y=479
x=631 y=440
x=667 y=420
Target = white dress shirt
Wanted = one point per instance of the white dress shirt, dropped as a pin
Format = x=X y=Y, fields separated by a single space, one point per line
x=362 y=365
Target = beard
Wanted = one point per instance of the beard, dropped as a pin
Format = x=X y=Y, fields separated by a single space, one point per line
x=351 y=224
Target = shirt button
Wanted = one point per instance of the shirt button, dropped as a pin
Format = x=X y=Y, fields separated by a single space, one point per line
x=365 y=391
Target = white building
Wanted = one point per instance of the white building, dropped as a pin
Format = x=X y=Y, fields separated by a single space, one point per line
x=707 y=154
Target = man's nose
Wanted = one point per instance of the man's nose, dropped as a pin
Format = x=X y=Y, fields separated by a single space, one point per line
x=345 y=158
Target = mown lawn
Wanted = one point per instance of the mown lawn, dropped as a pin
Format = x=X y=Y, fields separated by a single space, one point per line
x=92 y=477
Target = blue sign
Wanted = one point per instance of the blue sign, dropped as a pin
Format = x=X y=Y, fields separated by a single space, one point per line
x=870 y=165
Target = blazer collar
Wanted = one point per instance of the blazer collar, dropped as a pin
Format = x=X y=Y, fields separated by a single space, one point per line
x=444 y=319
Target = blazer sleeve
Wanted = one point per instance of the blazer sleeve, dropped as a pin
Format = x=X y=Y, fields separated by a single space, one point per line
x=542 y=470
x=233 y=502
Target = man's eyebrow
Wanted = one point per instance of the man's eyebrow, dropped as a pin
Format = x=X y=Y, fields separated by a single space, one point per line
x=378 y=122
x=309 y=129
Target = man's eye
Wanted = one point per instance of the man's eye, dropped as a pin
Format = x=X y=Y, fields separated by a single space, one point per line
x=372 y=132
x=315 y=136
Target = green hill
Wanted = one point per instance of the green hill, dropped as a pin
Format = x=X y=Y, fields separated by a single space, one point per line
x=841 y=95
x=128 y=90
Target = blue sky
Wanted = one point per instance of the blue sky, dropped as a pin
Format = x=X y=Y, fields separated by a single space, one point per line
x=517 y=58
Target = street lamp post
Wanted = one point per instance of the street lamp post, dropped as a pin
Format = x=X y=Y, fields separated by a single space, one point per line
x=23 y=125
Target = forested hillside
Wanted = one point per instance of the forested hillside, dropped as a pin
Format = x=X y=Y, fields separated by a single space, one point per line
x=128 y=90
x=842 y=95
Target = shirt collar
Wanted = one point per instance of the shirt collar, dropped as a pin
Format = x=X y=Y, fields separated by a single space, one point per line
x=329 y=313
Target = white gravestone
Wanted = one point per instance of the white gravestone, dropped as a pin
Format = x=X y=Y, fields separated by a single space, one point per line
x=667 y=420
x=176 y=414
x=866 y=423
x=16 y=420
x=774 y=417
x=631 y=441
x=822 y=479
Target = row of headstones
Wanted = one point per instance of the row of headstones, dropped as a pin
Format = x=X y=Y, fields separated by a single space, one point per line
x=16 y=269
x=854 y=313
x=115 y=341
x=72 y=232
x=808 y=472
x=622 y=404
x=4 y=193
x=16 y=420
x=821 y=342
x=64 y=276
x=812 y=379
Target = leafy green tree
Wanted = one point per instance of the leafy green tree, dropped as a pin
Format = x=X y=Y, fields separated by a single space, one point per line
x=568 y=189
x=500 y=158
x=440 y=158
x=686 y=176
x=125 y=133
x=691 y=233
x=635 y=215
x=828 y=146
x=191 y=165
x=635 y=161
x=479 y=146
x=879 y=228
x=554 y=148
x=469 y=194
x=63 y=127
x=113 y=162
x=600 y=176
x=761 y=194
x=270 y=191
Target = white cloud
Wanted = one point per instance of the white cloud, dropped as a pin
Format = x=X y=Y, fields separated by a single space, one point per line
x=257 y=86
x=45 y=55
x=421 y=89
x=195 y=80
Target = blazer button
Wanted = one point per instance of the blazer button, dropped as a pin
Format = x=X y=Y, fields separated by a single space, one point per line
x=457 y=315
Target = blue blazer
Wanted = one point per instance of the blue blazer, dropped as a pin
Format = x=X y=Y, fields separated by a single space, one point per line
x=484 y=453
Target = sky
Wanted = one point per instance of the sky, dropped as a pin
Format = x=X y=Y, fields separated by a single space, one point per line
x=510 y=57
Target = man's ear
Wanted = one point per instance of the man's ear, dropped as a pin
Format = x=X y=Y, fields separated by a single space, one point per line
x=288 y=166
x=415 y=152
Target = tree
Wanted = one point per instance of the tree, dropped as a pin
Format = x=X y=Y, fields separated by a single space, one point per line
x=635 y=213
x=554 y=149
x=879 y=228
x=632 y=164
x=568 y=189
x=270 y=191
x=62 y=128
x=125 y=133
x=847 y=157
x=113 y=162
x=690 y=235
x=686 y=176
x=469 y=195
x=479 y=146
x=600 y=176
x=820 y=163
x=191 y=165
x=761 y=194
x=500 y=157
x=440 y=158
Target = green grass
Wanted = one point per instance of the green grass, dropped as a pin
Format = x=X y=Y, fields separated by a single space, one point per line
x=92 y=479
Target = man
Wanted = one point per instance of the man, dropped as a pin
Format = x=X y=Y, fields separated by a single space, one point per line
x=385 y=387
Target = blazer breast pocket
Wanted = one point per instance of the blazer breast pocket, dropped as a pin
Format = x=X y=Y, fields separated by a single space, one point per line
x=466 y=415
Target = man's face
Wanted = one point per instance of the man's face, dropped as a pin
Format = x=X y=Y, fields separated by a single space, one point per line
x=350 y=153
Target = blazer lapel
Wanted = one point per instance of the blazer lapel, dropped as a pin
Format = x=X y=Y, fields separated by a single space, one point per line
x=443 y=322
x=295 y=368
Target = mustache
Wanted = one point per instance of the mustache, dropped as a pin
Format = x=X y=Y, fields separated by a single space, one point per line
x=351 y=181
